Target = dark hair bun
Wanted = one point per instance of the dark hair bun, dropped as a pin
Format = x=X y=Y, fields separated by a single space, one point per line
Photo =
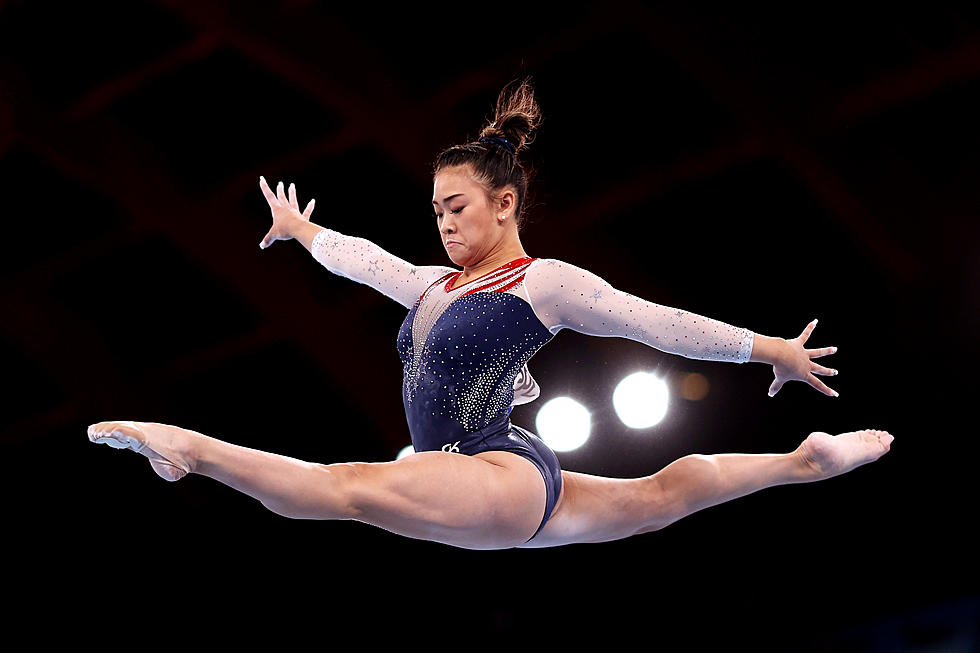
x=517 y=115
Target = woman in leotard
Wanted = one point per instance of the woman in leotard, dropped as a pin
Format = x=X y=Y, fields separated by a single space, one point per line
x=477 y=480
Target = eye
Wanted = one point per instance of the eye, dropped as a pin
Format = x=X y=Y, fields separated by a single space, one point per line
x=438 y=215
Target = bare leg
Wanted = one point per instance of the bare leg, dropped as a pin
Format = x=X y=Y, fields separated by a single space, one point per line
x=702 y=481
x=598 y=509
x=275 y=480
x=495 y=499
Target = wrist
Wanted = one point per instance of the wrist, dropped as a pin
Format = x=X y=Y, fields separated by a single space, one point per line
x=293 y=226
x=766 y=349
x=304 y=231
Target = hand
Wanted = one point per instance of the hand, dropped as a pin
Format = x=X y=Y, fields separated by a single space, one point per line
x=794 y=364
x=284 y=212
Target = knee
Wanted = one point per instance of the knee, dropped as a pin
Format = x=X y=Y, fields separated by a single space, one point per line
x=660 y=504
x=697 y=466
x=343 y=481
x=354 y=487
x=326 y=492
x=676 y=486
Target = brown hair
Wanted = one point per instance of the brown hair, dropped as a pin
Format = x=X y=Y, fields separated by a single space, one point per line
x=516 y=118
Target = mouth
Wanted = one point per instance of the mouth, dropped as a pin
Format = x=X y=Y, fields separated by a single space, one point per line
x=451 y=242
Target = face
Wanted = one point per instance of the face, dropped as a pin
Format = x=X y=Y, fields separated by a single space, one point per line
x=464 y=214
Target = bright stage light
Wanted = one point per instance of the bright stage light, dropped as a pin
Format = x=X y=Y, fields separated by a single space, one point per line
x=406 y=451
x=563 y=424
x=641 y=400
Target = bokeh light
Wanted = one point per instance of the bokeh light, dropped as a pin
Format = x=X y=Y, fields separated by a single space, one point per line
x=563 y=423
x=694 y=386
x=641 y=399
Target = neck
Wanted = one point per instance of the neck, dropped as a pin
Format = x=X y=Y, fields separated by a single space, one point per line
x=493 y=261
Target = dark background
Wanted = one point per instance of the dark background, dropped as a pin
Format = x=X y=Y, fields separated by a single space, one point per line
x=759 y=167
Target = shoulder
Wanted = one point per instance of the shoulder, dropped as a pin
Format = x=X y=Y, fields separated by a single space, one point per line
x=550 y=277
x=543 y=265
x=553 y=268
x=541 y=262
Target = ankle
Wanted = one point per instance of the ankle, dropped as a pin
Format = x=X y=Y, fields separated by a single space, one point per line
x=806 y=468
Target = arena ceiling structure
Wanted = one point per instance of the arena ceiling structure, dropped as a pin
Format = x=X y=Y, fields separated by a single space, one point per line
x=762 y=167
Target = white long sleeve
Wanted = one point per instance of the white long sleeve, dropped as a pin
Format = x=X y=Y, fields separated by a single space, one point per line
x=363 y=261
x=567 y=296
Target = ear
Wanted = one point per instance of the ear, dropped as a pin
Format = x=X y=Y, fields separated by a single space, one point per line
x=508 y=200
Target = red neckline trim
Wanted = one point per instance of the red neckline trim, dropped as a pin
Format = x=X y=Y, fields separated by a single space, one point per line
x=509 y=266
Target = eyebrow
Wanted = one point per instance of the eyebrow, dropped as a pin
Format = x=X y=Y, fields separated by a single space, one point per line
x=447 y=199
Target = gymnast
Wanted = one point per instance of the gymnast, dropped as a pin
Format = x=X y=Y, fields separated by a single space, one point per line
x=476 y=480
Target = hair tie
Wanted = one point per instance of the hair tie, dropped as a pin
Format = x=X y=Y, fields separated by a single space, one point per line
x=503 y=142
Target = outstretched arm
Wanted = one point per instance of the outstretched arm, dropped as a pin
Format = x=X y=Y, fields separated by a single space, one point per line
x=567 y=296
x=361 y=260
x=352 y=257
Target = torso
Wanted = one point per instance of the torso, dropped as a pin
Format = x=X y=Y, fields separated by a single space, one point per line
x=461 y=347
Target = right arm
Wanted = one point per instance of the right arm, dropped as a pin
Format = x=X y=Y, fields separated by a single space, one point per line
x=352 y=257
x=363 y=261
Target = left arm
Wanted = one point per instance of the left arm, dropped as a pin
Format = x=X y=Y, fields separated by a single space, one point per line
x=567 y=296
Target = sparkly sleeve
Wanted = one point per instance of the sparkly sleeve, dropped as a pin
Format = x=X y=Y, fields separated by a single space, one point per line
x=361 y=260
x=566 y=296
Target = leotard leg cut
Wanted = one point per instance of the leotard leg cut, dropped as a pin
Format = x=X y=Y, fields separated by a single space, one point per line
x=502 y=435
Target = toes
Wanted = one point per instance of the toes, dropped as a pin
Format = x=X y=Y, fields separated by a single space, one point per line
x=99 y=432
x=884 y=438
x=114 y=434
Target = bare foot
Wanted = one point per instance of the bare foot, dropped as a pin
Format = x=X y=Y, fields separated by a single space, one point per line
x=167 y=447
x=829 y=455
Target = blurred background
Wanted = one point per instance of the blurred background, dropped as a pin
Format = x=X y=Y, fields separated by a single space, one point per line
x=760 y=167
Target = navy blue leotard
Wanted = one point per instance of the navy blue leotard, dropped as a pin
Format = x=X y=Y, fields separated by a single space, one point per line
x=464 y=348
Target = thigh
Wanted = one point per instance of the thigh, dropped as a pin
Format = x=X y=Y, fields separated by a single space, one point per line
x=601 y=509
x=490 y=500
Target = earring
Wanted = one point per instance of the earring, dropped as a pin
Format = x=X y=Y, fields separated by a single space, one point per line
x=504 y=217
